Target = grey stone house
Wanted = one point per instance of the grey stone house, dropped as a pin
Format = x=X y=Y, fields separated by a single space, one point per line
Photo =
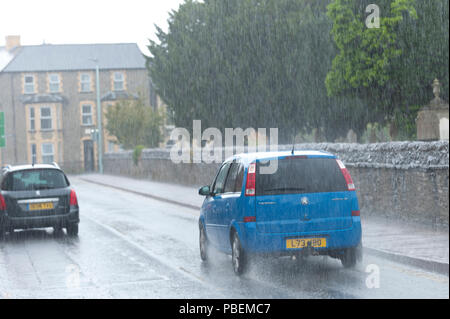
x=48 y=96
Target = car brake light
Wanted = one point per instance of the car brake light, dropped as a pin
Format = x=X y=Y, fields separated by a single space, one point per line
x=355 y=213
x=348 y=178
x=251 y=176
x=73 y=198
x=2 y=203
x=297 y=157
x=249 y=219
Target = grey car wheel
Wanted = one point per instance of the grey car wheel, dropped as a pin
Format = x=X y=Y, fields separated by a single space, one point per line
x=203 y=243
x=238 y=255
x=2 y=232
x=72 y=230
x=349 y=259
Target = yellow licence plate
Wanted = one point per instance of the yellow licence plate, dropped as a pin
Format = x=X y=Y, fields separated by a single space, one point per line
x=40 y=206
x=304 y=242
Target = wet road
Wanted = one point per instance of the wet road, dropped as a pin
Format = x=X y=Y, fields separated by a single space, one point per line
x=130 y=246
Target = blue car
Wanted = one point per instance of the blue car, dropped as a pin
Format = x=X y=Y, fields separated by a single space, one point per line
x=283 y=204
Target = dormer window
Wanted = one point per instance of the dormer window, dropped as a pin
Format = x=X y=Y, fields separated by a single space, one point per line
x=28 y=84
x=119 y=80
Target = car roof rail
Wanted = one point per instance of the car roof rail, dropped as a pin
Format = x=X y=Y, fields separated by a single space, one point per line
x=6 y=168
x=55 y=164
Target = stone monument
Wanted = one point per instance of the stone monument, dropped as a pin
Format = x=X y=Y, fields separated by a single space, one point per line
x=432 y=119
x=351 y=137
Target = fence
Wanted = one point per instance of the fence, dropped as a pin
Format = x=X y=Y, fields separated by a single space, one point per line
x=401 y=180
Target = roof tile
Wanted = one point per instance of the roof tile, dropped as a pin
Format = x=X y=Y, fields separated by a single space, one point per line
x=69 y=57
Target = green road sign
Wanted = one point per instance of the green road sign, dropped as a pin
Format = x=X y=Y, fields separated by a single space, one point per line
x=2 y=129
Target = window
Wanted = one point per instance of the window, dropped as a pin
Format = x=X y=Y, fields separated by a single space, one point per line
x=230 y=185
x=53 y=83
x=220 y=179
x=33 y=153
x=298 y=176
x=85 y=82
x=118 y=81
x=32 y=119
x=34 y=179
x=239 y=179
x=46 y=118
x=86 y=114
x=47 y=153
x=29 y=84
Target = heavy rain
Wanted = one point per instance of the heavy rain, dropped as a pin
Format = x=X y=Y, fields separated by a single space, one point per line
x=224 y=149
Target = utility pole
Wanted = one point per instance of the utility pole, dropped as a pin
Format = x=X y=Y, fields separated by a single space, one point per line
x=99 y=119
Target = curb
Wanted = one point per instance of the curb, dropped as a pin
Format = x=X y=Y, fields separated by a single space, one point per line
x=429 y=265
x=163 y=199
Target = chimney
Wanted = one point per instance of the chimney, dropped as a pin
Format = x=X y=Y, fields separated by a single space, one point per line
x=12 y=41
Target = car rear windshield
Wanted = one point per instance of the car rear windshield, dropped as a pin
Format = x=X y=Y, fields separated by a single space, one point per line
x=36 y=179
x=301 y=175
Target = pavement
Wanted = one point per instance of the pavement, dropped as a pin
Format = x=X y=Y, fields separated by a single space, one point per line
x=412 y=244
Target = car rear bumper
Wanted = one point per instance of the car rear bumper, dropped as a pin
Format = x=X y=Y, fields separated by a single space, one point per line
x=41 y=221
x=254 y=241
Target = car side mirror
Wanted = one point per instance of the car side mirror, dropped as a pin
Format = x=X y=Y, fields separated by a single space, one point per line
x=204 y=191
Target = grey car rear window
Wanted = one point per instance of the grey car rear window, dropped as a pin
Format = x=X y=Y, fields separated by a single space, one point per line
x=301 y=175
x=37 y=179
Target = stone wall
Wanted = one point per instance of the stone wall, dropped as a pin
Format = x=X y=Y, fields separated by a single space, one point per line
x=402 y=180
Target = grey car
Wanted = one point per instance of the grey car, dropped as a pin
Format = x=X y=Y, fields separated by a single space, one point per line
x=37 y=196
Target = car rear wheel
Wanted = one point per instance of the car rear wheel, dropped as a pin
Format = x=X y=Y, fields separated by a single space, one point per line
x=349 y=258
x=238 y=255
x=2 y=232
x=72 y=230
x=203 y=243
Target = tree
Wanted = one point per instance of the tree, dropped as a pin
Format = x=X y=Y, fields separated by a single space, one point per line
x=133 y=123
x=251 y=63
x=392 y=67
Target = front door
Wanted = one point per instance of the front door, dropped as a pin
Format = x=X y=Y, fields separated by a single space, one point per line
x=215 y=207
x=88 y=156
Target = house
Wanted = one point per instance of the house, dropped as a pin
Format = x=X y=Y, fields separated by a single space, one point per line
x=48 y=96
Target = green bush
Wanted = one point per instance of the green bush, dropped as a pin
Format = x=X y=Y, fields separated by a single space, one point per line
x=137 y=154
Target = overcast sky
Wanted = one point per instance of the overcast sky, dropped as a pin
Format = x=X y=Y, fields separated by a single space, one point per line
x=84 y=21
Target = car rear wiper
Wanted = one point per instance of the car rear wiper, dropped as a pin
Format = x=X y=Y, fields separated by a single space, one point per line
x=42 y=187
x=284 y=189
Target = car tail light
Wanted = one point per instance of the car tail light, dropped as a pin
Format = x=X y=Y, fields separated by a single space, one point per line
x=355 y=213
x=2 y=203
x=250 y=189
x=249 y=219
x=348 y=178
x=73 y=198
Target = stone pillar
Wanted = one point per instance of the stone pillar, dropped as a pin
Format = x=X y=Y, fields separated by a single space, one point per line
x=432 y=119
x=351 y=137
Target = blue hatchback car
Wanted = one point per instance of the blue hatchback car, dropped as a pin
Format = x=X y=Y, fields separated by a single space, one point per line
x=307 y=205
